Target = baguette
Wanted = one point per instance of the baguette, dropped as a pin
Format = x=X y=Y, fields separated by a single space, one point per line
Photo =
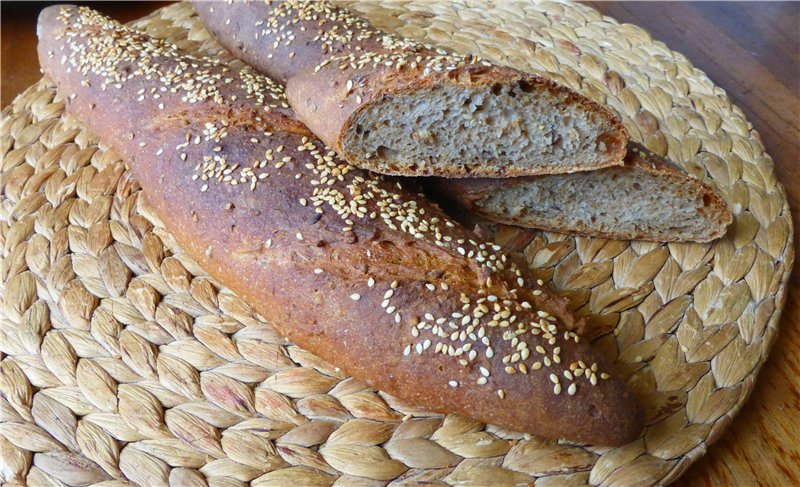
x=649 y=198
x=346 y=264
x=397 y=107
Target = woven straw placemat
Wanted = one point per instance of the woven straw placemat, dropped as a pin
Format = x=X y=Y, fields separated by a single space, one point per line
x=122 y=360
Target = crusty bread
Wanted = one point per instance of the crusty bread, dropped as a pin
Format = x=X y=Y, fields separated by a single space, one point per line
x=397 y=107
x=649 y=198
x=348 y=265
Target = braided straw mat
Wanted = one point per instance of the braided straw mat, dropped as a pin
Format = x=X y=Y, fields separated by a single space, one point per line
x=123 y=361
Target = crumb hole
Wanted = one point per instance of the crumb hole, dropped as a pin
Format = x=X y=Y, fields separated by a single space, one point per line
x=525 y=86
x=385 y=153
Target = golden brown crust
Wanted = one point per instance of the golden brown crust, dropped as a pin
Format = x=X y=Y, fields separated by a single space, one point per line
x=347 y=265
x=336 y=65
x=470 y=192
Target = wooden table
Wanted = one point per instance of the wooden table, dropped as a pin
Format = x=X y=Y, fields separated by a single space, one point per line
x=750 y=49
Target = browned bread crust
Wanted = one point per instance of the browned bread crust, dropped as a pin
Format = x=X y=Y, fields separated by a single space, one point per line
x=348 y=265
x=470 y=193
x=336 y=66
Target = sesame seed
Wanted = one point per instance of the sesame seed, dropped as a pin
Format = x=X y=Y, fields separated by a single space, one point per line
x=317 y=271
x=355 y=296
x=501 y=393
x=572 y=389
x=453 y=383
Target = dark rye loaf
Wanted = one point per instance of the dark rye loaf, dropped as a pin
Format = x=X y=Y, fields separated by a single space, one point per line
x=348 y=265
x=649 y=198
x=398 y=107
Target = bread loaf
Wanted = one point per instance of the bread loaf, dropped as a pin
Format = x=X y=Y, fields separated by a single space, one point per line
x=649 y=198
x=346 y=264
x=398 y=107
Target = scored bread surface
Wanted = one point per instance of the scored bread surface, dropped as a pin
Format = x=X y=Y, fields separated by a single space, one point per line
x=346 y=264
x=395 y=106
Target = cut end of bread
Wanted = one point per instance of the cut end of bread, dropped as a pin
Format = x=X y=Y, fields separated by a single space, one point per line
x=523 y=126
x=625 y=202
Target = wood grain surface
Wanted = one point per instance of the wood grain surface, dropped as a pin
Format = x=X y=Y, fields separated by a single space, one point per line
x=752 y=50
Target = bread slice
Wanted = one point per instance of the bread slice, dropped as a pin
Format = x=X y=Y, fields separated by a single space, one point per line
x=649 y=198
x=398 y=107
x=477 y=121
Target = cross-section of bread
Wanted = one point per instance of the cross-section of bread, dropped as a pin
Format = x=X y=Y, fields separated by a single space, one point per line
x=649 y=198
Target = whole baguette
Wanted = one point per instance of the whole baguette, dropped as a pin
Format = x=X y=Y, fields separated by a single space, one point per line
x=649 y=198
x=398 y=107
x=348 y=265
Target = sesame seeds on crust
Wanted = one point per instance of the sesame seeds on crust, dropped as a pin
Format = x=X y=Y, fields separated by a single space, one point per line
x=334 y=30
x=120 y=54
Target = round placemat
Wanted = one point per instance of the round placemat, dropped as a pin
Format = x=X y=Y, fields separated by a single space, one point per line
x=123 y=361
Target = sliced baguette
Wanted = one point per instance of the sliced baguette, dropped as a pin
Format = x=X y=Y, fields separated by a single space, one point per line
x=649 y=198
x=398 y=107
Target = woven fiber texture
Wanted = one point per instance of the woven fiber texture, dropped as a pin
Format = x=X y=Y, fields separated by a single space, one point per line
x=123 y=361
